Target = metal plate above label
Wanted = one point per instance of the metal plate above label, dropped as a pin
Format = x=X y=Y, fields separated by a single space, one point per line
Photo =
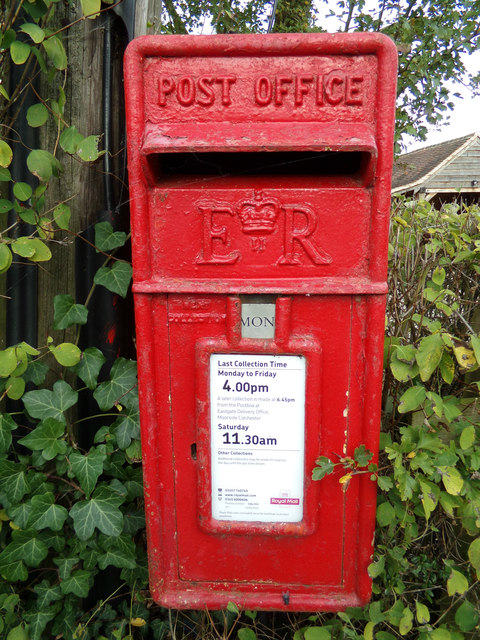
x=257 y=405
x=258 y=320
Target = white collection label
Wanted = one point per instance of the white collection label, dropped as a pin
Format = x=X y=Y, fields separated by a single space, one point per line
x=257 y=405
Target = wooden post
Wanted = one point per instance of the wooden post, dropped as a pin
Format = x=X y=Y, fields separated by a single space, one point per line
x=82 y=184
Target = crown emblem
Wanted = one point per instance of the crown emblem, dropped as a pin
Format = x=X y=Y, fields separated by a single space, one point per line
x=258 y=215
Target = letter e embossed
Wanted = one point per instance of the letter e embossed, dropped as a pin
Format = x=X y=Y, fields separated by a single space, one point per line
x=213 y=232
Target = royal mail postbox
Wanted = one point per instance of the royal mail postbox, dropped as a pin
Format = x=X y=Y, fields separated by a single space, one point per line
x=259 y=171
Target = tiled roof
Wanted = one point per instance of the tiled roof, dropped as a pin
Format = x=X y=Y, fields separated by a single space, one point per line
x=410 y=168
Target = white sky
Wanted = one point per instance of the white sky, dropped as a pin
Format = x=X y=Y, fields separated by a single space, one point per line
x=464 y=119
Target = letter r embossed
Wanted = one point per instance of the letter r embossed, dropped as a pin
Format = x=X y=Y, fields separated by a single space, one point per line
x=302 y=236
x=212 y=231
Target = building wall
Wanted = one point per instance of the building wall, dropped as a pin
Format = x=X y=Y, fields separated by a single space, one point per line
x=459 y=173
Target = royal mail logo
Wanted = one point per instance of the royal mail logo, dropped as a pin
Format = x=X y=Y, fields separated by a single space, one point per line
x=285 y=501
x=257 y=218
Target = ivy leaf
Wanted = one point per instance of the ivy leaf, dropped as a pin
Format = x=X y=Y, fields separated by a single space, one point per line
x=38 y=620
x=67 y=313
x=121 y=386
x=78 y=583
x=88 y=468
x=133 y=482
x=66 y=625
x=13 y=480
x=134 y=452
x=100 y=512
x=46 y=593
x=127 y=426
x=133 y=522
x=36 y=372
x=119 y=552
x=115 y=279
x=45 y=514
x=106 y=238
x=25 y=549
x=66 y=566
x=20 y=514
x=44 y=403
x=45 y=438
x=7 y=425
x=456 y=583
x=89 y=366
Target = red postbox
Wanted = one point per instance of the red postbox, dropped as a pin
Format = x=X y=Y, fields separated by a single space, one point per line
x=259 y=171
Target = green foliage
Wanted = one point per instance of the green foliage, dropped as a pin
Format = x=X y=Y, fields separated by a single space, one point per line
x=29 y=43
x=71 y=512
x=426 y=565
x=68 y=514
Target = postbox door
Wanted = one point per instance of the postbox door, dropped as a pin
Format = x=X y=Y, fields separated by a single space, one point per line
x=228 y=551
